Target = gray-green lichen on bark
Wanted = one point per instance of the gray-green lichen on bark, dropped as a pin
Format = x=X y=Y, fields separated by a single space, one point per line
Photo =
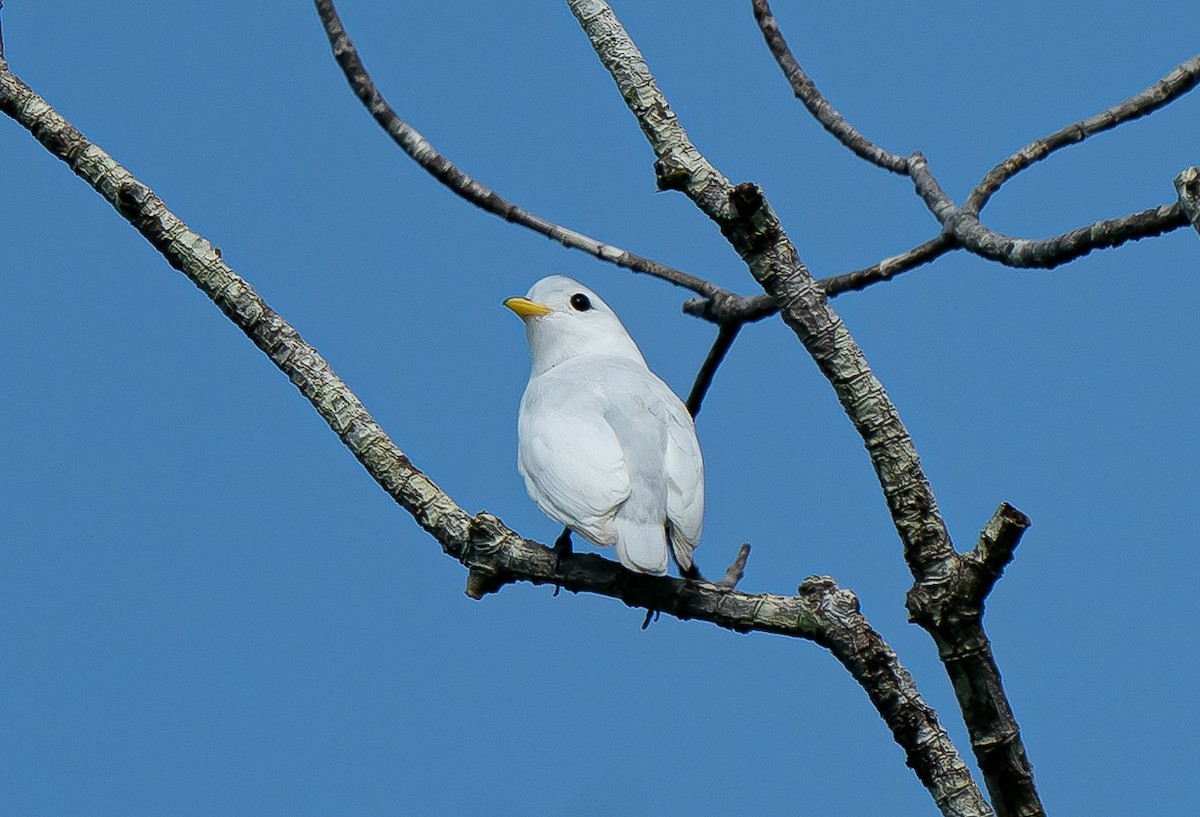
x=1187 y=185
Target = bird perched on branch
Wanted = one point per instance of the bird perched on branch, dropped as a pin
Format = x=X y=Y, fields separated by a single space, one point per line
x=605 y=447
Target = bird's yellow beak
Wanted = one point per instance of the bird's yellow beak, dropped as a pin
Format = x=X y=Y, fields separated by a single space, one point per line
x=526 y=308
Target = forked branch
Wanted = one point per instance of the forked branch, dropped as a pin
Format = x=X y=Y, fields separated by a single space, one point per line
x=961 y=226
x=966 y=230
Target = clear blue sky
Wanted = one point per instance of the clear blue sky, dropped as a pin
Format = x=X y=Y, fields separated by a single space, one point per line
x=207 y=607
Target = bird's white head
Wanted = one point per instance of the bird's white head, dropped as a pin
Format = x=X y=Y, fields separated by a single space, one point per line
x=564 y=319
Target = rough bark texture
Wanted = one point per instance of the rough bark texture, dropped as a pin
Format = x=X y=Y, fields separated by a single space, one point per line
x=952 y=612
x=1187 y=185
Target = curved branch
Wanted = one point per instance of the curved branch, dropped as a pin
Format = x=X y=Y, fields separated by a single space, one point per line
x=425 y=155
x=806 y=91
x=1045 y=253
x=1175 y=84
x=1048 y=253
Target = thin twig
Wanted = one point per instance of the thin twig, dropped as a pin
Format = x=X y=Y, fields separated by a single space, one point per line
x=806 y=91
x=726 y=334
x=888 y=268
x=1175 y=84
x=424 y=154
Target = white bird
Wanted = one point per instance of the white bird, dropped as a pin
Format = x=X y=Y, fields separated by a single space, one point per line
x=605 y=447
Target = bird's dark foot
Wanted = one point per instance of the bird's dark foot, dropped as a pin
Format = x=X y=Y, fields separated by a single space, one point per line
x=562 y=545
x=651 y=615
x=692 y=573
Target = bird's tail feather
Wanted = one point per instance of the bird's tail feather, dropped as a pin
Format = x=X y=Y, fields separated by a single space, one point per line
x=642 y=546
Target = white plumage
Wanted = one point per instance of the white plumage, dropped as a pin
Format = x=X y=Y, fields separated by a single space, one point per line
x=605 y=447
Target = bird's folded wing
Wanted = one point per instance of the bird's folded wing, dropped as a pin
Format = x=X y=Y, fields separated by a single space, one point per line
x=575 y=470
x=685 y=484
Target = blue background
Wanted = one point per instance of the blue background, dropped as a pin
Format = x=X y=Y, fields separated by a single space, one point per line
x=207 y=607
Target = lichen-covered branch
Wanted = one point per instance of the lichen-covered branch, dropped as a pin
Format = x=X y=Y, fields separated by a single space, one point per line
x=190 y=253
x=749 y=223
x=952 y=612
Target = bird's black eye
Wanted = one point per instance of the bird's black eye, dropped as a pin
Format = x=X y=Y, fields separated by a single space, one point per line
x=580 y=302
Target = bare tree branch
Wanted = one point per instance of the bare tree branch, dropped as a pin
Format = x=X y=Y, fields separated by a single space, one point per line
x=1045 y=253
x=726 y=335
x=962 y=228
x=736 y=309
x=806 y=91
x=424 y=154
x=952 y=611
x=481 y=541
x=751 y=308
x=1187 y=184
x=888 y=268
x=997 y=542
x=1175 y=84
x=950 y=589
